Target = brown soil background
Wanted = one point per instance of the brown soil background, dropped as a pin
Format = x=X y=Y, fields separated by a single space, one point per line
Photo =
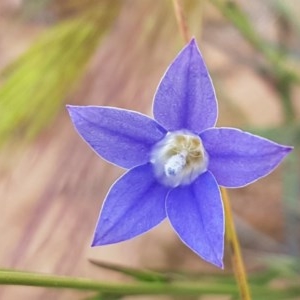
x=52 y=190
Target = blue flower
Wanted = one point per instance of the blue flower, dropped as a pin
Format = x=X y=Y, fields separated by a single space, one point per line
x=176 y=162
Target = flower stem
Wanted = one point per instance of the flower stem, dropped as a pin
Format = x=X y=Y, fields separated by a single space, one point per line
x=181 y=21
x=236 y=256
x=11 y=277
x=231 y=236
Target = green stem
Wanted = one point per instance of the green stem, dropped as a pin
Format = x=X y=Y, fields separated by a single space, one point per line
x=143 y=275
x=13 y=277
x=10 y=277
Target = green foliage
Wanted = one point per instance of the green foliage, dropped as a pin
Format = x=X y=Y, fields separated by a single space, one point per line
x=141 y=275
x=103 y=297
x=270 y=284
x=36 y=84
x=281 y=272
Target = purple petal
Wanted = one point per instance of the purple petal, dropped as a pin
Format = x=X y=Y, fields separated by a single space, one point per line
x=185 y=98
x=122 y=137
x=196 y=214
x=134 y=204
x=237 y=158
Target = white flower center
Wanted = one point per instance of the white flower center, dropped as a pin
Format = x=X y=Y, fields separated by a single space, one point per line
x=179 y=158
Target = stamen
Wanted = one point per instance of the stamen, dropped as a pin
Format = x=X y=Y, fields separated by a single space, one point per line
x=179 y=158
x=175 y=164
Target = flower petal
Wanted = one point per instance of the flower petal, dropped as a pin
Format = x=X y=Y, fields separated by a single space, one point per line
x=185 y=98
x=134 y=204
x=237 y=158
x=122 y=137
x=196 y=214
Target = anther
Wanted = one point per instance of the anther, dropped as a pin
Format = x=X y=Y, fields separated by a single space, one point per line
x=175 y=164
x=179 y=158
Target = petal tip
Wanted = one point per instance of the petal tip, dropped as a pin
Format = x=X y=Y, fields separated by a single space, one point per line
x=98 y=242
x=69 y=106
x=71 y=109
x=216 y=261
x=193 y=41
x=288 y=149
x=193 y=44
x=219 y=264
x=285 y=150
x=95 y=242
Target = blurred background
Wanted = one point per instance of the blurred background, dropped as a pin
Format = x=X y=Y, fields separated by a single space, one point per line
x=101 y=52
